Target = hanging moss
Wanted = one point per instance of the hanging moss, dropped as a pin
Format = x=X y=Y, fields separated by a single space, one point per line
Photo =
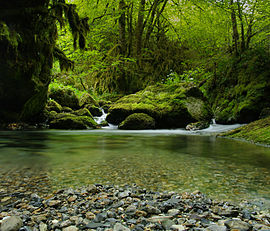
x=27 y=43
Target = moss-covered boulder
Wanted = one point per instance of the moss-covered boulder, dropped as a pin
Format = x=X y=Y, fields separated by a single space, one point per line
x=138 y=121
x=87 y=99
x=240 y=89
x=65 y=96
x=83 y=112
x=171 y=106
x=26 y=53
x=105 y=105
x=94 y=110
x=73 y=122
x=52 y=105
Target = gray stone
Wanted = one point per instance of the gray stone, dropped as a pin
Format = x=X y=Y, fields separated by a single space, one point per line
x=173 y=212
x=13 y=223
x=178 y=227
x=216 y=228
x=43 y=227
x=70 y=228
x=167 y=224
x=120 y=227
x=93 y=225
x=238 y=224
x=124 y=194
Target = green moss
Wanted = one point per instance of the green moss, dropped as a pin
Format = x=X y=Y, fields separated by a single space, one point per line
x=83 y=112
x=138 y=121
x=65 y=96
x=52 y=105
x=241 y=88
x=170 y=105
x=87 y=99
x=73 y=122
x=256 y=132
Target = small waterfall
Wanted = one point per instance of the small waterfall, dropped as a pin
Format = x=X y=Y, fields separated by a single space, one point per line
x=102 y=118
x=213 y=122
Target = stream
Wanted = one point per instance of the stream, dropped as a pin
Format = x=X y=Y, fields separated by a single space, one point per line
x=174 y=160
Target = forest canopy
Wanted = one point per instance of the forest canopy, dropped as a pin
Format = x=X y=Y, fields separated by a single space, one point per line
x=133 y=43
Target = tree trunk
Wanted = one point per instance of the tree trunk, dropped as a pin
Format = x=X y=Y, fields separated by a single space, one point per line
x=243 y=43
x=140 y=28
x=235 y=35
x=122 y=27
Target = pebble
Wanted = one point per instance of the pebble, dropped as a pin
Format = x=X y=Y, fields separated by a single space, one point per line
x=12 y=223
x=126 y=208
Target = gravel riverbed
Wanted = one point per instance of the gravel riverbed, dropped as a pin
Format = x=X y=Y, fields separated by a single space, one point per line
x=115 y=208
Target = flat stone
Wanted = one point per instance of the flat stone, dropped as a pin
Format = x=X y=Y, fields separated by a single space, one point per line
x=178 y=228
x=216 y=228
x=70 y=228
x=13 y=223
x=93 y=225
x=53 y=203
x=120 y=227
x=159 y=218
x=238 y=225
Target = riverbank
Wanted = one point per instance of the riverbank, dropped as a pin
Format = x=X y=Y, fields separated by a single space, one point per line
x=257 y=132
x=114 y=208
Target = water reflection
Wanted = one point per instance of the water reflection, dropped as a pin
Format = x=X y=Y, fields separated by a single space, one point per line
x=221 y=168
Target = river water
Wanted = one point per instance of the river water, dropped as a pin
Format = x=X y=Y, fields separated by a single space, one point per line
x=174 y=160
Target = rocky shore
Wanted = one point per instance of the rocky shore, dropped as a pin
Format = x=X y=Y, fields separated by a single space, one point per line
x=115 y=208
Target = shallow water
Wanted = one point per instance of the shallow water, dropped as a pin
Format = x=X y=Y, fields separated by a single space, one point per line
x=160 y=160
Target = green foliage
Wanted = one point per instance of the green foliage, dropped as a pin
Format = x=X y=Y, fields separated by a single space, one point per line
x=56 y=86
x=195 y=76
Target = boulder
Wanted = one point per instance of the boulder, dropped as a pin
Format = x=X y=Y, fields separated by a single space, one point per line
x=52 y=105
x=83 y=112
x=87 y=99
x=197 y=125
x=73 y=122
x=137 y=121
x=94 y=110
x=171 y=106
x=65 y=96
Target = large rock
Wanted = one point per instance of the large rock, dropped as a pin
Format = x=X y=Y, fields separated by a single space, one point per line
x=26 y=53
x=73 y=122
x=64 y=95
x=171 y=106
x=138 y=121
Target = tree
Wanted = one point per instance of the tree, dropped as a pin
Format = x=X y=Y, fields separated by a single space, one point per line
x=28 y=33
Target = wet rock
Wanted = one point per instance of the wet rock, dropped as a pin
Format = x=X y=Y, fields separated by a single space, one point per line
x=12 y=223
x=138 y=121
x=70 y=228
x=53 y=203
x=237 y=224
x=120 y=227
x=43 y=227
x=178 y=228
x=216 y=228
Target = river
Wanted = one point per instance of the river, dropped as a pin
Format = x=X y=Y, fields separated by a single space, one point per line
x=173 y=160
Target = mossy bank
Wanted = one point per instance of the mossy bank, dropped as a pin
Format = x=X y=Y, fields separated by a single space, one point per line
x=256 y=132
